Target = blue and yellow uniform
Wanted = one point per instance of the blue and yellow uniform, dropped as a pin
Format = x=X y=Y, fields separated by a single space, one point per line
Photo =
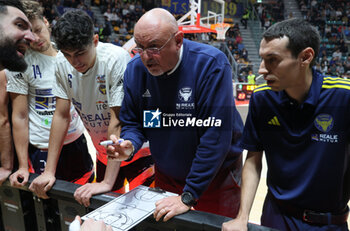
x=307 y=151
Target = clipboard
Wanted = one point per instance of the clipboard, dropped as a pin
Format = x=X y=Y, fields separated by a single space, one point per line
x=129 y=209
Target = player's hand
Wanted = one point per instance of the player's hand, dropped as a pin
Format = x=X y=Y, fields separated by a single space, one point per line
x=83 y=194
x=120 y=151
x=4 y=173
x=42 y=184
x=19 y=178
x=235 y=225
x=92 y=225
x=169 y=207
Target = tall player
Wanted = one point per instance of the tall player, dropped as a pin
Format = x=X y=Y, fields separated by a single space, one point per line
x=33 y=108
x=89 y=74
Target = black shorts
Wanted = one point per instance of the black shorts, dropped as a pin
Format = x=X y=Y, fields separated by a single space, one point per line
x=74 y=164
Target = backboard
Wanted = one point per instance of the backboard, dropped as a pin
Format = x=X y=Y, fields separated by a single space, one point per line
x=202 y=14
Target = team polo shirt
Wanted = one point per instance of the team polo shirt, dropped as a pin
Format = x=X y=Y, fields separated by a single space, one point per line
x=94 y=92
x=306 y=145
x=188 y=116
x=37 y=82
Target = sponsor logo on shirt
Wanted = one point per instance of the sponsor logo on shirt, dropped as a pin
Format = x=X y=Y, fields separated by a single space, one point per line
x=101 y=78
x=324 y=123
x=157 y=119
x=76 y=104
x=120 y=82
x=186 y=106
x=185 y=98
x=102 y=89
x=44 y=92
x=44 y=100
x=147 y=94
x=327 y=138
x=19 y=76
x=45 y=113
x=185 y=94
x=274 y=121
x=96 y=120
x=47 y=121
x=101 y=105
x=45 y=103
x=315 y=137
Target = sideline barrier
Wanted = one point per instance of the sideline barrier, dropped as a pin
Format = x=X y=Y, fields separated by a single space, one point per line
x=21 y=210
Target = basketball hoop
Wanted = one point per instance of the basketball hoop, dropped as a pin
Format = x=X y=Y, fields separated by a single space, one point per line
x=201 y=20
x=221 y=29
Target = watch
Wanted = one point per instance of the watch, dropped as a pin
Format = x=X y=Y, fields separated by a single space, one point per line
x=188 y=199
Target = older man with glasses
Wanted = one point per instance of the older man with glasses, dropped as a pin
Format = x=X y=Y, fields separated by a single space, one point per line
x=178 y=96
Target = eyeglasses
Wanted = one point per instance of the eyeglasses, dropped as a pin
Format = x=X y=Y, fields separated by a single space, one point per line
x=152 y=50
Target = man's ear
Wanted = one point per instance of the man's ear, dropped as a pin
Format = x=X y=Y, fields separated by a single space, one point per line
x=307 y=55
x=95 y=39
x=179 y=37
x=46 y=22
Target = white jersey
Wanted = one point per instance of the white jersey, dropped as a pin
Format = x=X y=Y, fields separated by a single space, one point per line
x=95 y=91
x=37 y=82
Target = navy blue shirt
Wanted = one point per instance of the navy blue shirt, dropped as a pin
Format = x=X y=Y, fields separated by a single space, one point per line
x=195 y=135
x=306 y=145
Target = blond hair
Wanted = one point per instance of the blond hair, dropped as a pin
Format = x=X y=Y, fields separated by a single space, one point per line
x=33 y=9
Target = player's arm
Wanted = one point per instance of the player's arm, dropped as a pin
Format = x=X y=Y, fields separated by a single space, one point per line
x=250 y=181
x=113 y=165
x=58 y=132
x=85 y=192
x=21 y=137
x=131 y=130
x=121 y=151
x=6 y=150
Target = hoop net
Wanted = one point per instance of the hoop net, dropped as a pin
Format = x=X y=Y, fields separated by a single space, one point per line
x=221 y=29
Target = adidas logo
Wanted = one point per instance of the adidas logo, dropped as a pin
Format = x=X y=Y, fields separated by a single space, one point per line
x=146 y=94
x=274 y=121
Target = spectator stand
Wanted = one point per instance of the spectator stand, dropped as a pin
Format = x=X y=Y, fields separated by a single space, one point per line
x=332 y=20
x=115 y=20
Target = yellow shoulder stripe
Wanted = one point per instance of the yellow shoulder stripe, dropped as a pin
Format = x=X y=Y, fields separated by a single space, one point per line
x=333 y=78
x=262 y=87
x=336 y=86
x=336 y=82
